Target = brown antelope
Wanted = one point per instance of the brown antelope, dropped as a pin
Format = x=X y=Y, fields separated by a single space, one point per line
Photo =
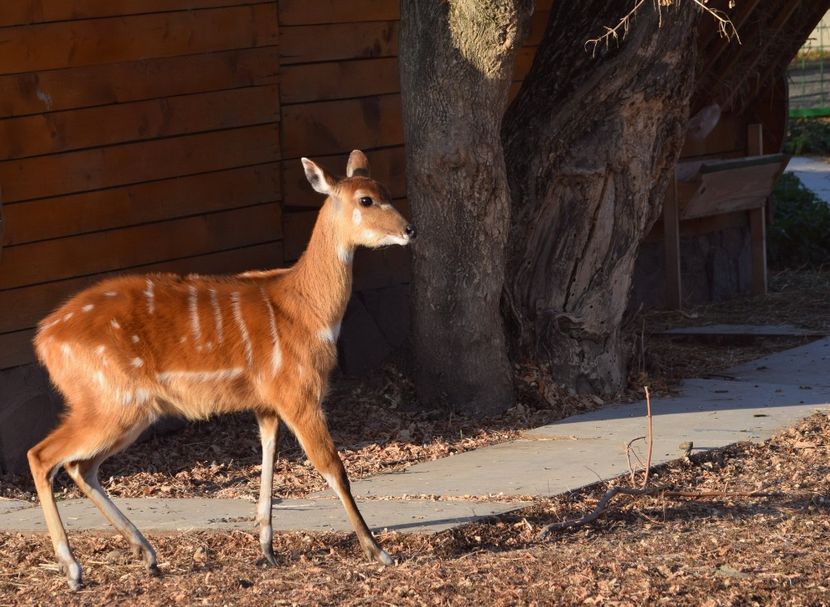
x=131 y=349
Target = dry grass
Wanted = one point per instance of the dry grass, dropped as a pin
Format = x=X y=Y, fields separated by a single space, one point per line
x=729 y=552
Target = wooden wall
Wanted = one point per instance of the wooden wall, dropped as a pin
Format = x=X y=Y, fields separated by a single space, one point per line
x=144 y=135
x=345 y=94
x=136 y=135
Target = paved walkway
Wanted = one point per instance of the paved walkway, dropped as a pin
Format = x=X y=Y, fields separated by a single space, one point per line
x=749 y=402
x=814 y=173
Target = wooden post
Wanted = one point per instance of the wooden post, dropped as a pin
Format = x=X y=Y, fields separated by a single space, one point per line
x=757 y=218
x=671 y=238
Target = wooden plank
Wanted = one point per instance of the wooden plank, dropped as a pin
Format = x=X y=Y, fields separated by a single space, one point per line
x=334 y=127
x=106 y=125
x=34 y=93
x=754 y=140
x=99 y=168
x=297 y=227
x=757 y=217
x=309 y=43
x=302 y=12
x=732 y=190
x=24 y=307
x=727 y=136
x=702 y=225
x=671 y=231
x=28 y=12
x=339 y=80
x=49 y=218
x=758 y=235
x=16 y=349
x=112 y=40
x=149 y=243
x=381 y=268
x=388 y=165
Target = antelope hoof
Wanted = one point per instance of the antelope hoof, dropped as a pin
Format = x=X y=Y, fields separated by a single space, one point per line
x=153 y=570
x=384 y=558
x=376 y=553
x=74 y=585
x=268 y=553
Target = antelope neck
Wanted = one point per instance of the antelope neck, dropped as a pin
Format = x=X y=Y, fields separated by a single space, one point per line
x=322 y=277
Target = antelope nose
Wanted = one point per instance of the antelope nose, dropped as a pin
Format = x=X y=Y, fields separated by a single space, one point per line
x=410 y=231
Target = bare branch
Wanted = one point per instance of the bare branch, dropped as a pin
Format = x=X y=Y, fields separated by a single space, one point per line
x=726 y=28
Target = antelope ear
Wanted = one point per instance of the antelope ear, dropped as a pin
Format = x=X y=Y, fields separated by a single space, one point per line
x=317 y=177
x=358 y=164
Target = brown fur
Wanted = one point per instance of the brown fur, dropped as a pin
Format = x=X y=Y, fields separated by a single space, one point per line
x=131 y=349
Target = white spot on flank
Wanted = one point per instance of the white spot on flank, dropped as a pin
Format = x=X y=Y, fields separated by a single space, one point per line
x=99 y=378
x=115 y=324
x=110 y=293
x=100 y=350
x=357 y=217
x=243 y=330
x=66 y=349
x=217 y=315
x=200 y=375
x=142 y=395
x=125 y=398
x=137 y=362
x=67 y=316
x=183 y=339
x=193 y=305
x=49 y=325
x=330 y=334
x=134 y=339
x=149 y=292
x=276 y=353
x=345 y=254
x=87 y=308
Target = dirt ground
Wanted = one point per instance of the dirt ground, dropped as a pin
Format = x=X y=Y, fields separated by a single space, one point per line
x=759 y=551
x=741 y=551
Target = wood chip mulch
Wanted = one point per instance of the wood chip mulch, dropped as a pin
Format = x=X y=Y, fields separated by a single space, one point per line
x=771 y=551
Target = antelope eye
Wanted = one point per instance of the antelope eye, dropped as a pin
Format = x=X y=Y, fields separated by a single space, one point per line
x=365 y=201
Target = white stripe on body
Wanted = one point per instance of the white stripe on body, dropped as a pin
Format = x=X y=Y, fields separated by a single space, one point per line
x=243 y=329
x=276 y=354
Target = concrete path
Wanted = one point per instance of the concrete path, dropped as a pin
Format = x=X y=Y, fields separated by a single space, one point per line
x=749 y=402
x=814 y=173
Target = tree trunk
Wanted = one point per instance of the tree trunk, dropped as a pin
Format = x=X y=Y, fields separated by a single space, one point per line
x=456 y=59
x=590 y=144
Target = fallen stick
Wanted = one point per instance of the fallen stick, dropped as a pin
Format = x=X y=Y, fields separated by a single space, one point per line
x=660 y=490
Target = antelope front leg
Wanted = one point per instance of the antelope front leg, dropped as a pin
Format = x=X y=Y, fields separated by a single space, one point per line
x=269 y=427
x=310 y=429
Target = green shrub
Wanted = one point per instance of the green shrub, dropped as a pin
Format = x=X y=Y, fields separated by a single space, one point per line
x=800 y=232
x=808 y=136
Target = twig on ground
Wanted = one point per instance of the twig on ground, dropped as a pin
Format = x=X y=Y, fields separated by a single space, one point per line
x=658 y=490
x=650 y=437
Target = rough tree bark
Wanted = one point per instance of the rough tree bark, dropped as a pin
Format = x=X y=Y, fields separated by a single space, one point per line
x=590 y=143
x=456 y=60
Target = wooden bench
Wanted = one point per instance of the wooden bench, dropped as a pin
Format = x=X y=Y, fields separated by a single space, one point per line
x=703 y=188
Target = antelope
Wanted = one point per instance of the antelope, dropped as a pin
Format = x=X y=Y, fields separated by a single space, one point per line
x=133 y=348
